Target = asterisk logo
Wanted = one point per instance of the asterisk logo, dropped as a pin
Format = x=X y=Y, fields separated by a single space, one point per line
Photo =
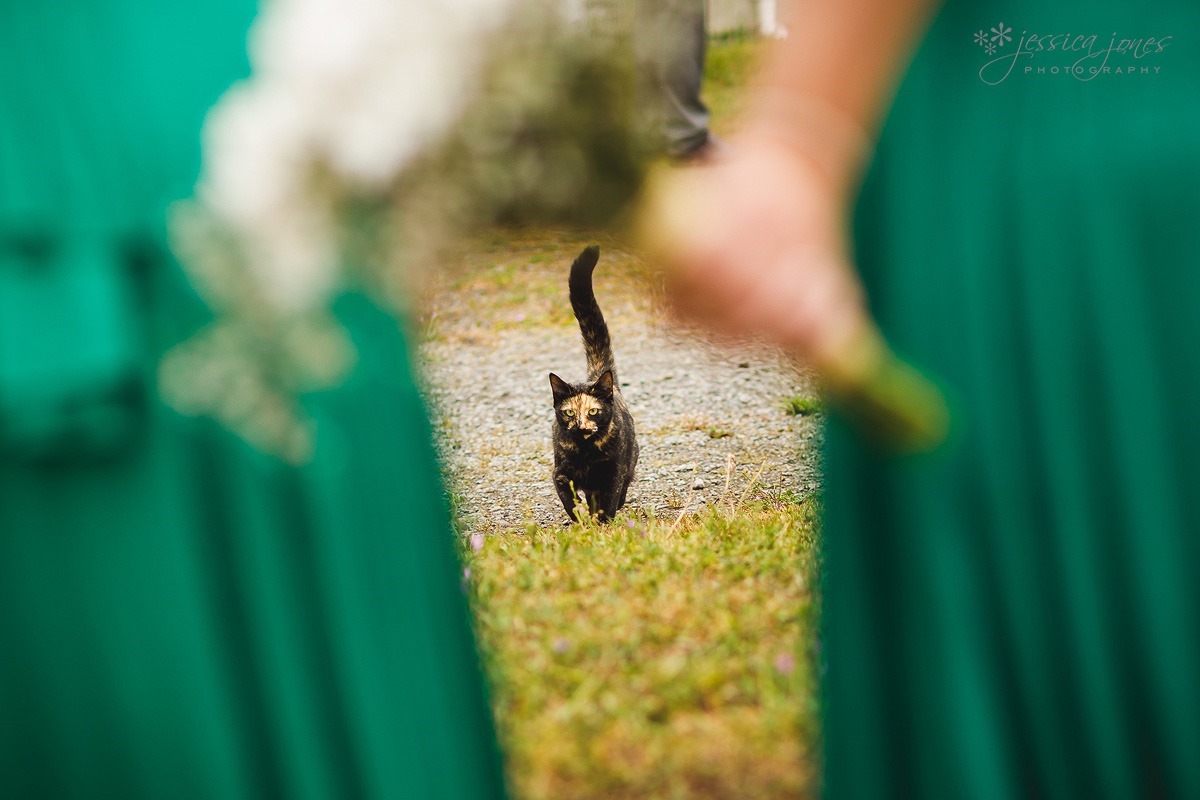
x=1000 y=35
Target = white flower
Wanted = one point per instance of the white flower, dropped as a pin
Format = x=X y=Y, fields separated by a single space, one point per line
x=349 y=89
x=255 y=152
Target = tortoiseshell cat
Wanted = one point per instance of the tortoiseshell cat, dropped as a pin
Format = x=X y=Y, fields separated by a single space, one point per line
x=595 y=446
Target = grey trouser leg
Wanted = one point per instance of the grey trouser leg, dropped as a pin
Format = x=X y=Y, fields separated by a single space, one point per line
x=671 y=41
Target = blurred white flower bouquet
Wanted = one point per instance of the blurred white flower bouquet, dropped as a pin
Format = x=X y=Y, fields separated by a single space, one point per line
x=370 y=135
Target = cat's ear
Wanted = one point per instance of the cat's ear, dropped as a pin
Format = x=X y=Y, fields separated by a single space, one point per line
x=604 y=385
x=561 y=389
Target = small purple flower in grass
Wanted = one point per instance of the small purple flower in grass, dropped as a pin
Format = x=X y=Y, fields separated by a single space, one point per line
x=785 y=663
x=476 y=542
x=561 y=645
x=466 y=580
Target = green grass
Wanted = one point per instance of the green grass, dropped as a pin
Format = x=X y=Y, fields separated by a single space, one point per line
x=508 y=278
x=654 y=658
x=800 y=406
x=728 y=66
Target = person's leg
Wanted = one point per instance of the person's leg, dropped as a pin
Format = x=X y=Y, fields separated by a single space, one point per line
x=671 y=51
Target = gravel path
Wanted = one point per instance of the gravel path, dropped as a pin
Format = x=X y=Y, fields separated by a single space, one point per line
x=709 y=416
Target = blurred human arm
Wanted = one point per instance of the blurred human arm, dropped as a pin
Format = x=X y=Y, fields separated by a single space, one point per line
x=824 y=90
x=756 y=243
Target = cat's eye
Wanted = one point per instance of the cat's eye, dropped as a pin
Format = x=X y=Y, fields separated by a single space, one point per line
x=592 y=412
x=568 y=413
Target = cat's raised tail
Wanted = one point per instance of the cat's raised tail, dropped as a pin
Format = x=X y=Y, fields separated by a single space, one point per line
x=596 y=342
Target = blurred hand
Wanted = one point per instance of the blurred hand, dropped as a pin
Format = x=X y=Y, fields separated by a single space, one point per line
x=755 y=243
